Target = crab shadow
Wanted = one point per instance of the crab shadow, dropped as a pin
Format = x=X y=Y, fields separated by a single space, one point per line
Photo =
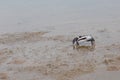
x=84 y=48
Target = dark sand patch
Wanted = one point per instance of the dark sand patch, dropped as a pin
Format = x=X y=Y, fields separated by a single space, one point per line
x=76 y=71
x=113 y=63
x=112 y=60
x=17 y=61
x=16 y=37
x=3 y=76
x=5 y=54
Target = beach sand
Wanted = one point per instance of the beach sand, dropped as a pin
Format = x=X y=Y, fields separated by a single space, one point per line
x=43 y=56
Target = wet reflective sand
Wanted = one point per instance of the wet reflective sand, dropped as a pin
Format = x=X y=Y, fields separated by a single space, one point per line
x=35 y=55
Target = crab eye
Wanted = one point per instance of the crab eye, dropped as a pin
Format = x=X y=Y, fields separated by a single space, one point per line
x=80 y=36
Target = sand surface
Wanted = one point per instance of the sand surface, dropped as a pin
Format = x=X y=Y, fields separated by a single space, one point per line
x=37 y=56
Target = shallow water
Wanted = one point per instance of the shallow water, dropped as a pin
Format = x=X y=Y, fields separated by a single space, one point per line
x=29 y=15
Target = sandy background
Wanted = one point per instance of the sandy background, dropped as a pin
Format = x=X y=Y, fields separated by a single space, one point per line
x=36 y=40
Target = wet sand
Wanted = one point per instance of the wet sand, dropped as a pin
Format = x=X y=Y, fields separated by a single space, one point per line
x=43 y=56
